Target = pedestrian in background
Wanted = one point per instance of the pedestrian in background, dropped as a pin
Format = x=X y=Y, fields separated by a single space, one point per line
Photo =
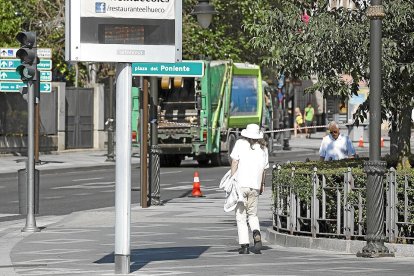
x=298 y=121
x=309 y=114
x=249 y=161
x=335 y=146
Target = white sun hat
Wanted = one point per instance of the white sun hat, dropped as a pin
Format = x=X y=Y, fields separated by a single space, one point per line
x=252 y=131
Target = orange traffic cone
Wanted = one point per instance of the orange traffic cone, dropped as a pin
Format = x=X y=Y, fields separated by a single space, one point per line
x=361 y=142
x=196 y=186
x=382 y=142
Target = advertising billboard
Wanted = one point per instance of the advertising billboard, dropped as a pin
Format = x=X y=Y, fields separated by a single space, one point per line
x=124 y=31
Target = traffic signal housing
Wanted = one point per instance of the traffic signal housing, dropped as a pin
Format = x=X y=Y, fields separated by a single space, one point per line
x=28 y=56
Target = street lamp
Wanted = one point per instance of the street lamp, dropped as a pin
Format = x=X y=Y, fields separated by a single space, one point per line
x=204 y=12
x=375 y=168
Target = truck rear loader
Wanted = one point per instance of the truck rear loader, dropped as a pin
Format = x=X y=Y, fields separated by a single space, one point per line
x=204 y=116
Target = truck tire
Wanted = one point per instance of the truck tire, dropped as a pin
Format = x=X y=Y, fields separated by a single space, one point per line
x=163 y=160
x=170 y=160
x=175 y=160
x=203 y=162
x=223 y=158
x=216 y=160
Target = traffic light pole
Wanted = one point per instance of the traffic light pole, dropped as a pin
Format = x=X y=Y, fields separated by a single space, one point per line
x=30 y=165
x=36 y=133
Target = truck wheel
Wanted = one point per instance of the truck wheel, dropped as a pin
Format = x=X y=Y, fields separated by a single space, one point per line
x=170 y=160
x=203 y=162
x=163 y=160
x=216 y=160
x=225 y=156
x=175 y=160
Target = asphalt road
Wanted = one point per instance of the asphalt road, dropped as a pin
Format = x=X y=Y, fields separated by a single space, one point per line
x=65 y=192
x=77 y=190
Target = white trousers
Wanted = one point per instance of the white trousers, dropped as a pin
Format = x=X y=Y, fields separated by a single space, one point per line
x=247 y=211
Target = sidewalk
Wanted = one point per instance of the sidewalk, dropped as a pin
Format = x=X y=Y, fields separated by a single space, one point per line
x=188 y=236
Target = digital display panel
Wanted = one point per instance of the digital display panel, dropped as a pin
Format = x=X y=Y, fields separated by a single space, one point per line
x=124 y=31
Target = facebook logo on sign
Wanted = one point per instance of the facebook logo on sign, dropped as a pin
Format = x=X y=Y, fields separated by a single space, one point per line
x=100 y=7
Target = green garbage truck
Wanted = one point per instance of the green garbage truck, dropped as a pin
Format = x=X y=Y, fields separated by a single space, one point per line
x=203 y=117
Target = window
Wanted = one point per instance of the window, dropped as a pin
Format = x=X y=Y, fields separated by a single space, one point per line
x=243 y=96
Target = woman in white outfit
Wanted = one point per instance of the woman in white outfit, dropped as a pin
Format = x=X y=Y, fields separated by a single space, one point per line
x=249 y=162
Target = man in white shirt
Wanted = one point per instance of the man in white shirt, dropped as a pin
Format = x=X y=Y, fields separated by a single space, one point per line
x=335 y=146
x=249 y=161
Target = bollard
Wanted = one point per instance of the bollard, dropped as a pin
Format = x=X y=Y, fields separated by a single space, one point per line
x=22 y=191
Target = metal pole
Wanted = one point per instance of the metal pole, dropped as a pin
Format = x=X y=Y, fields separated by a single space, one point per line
x=144 y=145
x=375 y=168
x=154 y=175
x=30 y=165
x=286 y=134
x=36 y=85
x=123 y=169
x=110 y=156
x=36 y=133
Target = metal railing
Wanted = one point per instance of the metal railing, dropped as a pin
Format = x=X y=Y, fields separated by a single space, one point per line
x=334 y=205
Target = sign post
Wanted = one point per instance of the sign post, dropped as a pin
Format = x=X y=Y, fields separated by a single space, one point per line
x=123 y=32
x=123 y=168
x=28 y=73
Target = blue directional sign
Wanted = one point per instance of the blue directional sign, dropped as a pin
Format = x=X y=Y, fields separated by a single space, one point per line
x=7 y=75
x=45 y=65
x=45 y=87
x=45 y=76
x=10 y=64
x=181 y=69
x=11 y=86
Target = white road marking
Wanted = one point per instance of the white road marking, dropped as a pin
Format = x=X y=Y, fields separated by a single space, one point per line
x=94 y=185
x=174 y=172
x=53 y=197
x=85 y=179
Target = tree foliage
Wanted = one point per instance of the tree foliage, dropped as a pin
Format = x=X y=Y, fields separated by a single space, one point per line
x=226 y=37
x=337 y=42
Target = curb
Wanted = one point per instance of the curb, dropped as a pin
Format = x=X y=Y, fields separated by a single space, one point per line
x=83 y=167
x=58 y=170
x=337 y=245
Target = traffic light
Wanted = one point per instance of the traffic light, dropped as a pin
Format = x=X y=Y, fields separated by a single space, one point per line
x=28 y=56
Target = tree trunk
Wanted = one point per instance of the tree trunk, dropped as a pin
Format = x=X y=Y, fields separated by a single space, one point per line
x=400 y=136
